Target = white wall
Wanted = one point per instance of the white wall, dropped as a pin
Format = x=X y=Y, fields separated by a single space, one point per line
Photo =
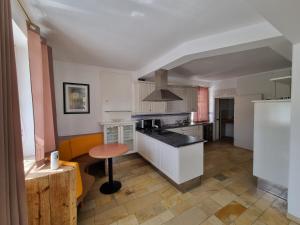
x=109 y=90
x=252 y=85
x=261 y=84
x=294 y=167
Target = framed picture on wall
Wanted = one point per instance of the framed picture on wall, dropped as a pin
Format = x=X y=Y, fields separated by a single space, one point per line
x=76 y=98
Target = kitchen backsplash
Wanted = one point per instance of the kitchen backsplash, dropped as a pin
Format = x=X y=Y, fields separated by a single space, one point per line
x=166 y=119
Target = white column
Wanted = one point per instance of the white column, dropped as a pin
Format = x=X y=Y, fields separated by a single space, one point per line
x=294 y=164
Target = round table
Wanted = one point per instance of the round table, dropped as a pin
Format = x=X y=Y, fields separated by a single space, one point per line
x=108 y=151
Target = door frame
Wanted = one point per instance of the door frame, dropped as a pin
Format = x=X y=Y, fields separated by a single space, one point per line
x=217 y=120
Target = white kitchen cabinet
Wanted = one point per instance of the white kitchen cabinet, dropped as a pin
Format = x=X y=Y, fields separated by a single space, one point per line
x=157 y=107
x=148 y=149
x=178 y=106
x=192 y=99
x=120 y=133
x=142 y=90
x=169 y=162
x=179 y=164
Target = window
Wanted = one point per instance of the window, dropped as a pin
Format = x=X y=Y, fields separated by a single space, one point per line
x=24 y=88
x=203 y=106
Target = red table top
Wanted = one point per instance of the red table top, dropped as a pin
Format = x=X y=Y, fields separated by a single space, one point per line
x=108 y=151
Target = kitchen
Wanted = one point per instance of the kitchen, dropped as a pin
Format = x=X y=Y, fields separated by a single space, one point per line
x=199 y=117
x=166 y=134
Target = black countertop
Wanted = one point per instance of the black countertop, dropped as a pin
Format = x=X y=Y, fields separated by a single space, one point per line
x=171 y=138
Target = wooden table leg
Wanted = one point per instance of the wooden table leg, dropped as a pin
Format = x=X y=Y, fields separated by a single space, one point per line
x=111 y=186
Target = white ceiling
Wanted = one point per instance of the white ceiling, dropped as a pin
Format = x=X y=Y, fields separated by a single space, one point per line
x=129 y=34
x=232 y=65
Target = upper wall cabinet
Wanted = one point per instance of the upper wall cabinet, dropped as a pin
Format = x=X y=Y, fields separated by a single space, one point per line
x=142 y=90
x=181 y=105
x=189 y=102
x=119 y=97
x=192 y=99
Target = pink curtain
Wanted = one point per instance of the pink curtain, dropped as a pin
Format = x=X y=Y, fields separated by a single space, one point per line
x=40 y=61
x=12 y=183
x=49 y=103
x=37 y=83
x=203 y=106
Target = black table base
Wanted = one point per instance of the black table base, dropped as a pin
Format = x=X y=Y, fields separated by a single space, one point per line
x=111 y=186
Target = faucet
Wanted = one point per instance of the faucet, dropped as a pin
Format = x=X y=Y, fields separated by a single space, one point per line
x=155 y=126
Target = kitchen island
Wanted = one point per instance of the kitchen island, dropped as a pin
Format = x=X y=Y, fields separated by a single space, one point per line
x=178 y=157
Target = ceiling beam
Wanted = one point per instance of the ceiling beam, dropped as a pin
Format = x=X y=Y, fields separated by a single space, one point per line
x=254 y=36
x=282 y=14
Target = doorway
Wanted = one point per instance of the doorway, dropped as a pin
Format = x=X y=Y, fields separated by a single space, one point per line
x=224 y=109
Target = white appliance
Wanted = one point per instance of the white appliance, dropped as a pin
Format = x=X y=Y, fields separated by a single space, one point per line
x=54 y=160
x=120 y=132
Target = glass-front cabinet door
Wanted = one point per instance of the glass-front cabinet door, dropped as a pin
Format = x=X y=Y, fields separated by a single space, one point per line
x=111 y=134
x=127 y=136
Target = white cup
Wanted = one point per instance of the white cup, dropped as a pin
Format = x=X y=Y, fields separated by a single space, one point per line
x=54 y=158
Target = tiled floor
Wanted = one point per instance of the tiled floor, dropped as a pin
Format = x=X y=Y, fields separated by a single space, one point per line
x=228 y=195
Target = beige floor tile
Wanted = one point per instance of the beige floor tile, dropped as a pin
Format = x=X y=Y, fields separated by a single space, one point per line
x=213 y=220
x=111 y=215
x=160 y=219
x=273 y=217
x=239 y=187
x=147 y=213
x=193 y=216
x=88 y=221
x=224 y=197
x=148 y=198
x=84 y=215
x=143 y=202
x=182 y=206
x=252 y=195
x=209 y=206
x=258 y=222
x=280 y=205
x=265 y=201
x=229 y=213
x=249 y=216
x=129 y=220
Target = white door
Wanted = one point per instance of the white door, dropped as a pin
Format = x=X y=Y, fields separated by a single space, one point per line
x=244 y=120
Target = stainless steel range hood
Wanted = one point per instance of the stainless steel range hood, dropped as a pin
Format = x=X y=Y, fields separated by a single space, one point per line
x=161 y=92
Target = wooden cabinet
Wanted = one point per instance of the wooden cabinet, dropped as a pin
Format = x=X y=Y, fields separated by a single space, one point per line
x=120 y=133
x=51 y=196
x=142 y=90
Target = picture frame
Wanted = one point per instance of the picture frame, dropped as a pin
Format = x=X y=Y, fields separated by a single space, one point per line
x=76 y=98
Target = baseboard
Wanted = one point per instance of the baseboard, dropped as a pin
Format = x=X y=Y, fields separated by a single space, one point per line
x=272 y=188
x=293 y=218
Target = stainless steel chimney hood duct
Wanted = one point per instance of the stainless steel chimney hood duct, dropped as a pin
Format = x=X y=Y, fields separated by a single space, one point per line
x=161 y=92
